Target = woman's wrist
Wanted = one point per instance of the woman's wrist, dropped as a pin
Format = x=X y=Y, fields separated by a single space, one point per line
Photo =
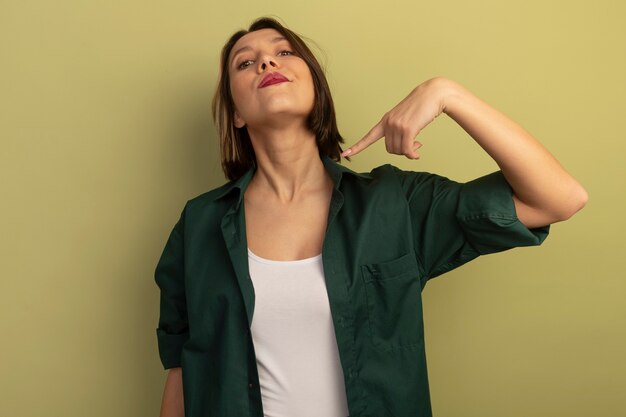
x=448 y=91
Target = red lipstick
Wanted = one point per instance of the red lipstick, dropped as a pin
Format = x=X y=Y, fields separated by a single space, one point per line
x=272 y=78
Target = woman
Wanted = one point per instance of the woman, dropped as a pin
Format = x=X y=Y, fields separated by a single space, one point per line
x=330 y=262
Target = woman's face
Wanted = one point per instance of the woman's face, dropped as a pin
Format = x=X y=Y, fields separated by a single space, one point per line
x=264 y=52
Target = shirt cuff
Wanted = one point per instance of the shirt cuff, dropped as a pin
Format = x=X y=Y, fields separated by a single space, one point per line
x=487 y=215
x=170 y=348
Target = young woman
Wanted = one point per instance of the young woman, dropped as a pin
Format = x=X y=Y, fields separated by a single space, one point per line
x=294 y=289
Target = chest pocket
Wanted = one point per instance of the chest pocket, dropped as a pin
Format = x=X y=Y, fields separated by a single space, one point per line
x=394 y=303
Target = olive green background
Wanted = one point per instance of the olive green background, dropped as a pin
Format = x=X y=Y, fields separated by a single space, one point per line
x=106 y=132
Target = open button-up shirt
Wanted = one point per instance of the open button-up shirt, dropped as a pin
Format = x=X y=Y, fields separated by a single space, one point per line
x=388 y=232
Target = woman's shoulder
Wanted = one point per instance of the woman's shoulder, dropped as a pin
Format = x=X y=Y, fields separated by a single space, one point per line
x=221 y=192
x=390 y=172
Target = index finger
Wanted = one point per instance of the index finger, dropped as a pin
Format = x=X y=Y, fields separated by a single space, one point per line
x=372 y=136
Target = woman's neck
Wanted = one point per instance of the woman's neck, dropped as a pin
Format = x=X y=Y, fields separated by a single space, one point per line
x=288 y=165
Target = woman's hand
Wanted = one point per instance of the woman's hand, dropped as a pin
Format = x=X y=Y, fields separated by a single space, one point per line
x=405 y=121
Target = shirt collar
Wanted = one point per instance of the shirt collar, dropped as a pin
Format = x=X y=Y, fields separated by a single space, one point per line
x=335 y=169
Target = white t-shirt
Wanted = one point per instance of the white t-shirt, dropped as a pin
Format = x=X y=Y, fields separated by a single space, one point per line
x=294 y=339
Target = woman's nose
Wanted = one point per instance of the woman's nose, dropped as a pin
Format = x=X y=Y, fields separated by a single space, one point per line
x=267 y=60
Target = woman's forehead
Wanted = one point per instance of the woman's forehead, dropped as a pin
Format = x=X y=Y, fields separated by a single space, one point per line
x=258 y=35
x=248 y=40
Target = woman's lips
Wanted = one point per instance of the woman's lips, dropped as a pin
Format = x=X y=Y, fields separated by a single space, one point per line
x=272 y=78
x=272 y=82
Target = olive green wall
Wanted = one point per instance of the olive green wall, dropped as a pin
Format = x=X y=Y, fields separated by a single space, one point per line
x=106 y=132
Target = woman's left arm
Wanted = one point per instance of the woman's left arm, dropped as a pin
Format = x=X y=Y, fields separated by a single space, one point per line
x=543 y=191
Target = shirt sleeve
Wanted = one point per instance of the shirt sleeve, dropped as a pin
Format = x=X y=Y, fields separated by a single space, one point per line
x=453 y=223
x=173 y=330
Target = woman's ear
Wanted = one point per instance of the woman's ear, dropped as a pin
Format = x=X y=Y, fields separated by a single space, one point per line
x=238 y=121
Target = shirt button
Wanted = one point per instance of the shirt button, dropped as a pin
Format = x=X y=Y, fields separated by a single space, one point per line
x=251 y=385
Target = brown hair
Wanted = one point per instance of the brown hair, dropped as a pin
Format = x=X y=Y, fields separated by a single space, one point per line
x=236 y=151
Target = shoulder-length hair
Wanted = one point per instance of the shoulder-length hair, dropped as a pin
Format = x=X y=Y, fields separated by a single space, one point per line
x=236 y=151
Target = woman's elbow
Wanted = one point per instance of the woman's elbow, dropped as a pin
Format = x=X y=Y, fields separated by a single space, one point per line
x=578 y=200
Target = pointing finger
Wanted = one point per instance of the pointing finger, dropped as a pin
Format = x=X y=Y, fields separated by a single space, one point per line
x=372 y=136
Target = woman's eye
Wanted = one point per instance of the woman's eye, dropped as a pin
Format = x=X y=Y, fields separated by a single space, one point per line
x=243 y=66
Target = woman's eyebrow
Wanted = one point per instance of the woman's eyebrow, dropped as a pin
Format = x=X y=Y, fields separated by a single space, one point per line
x=245 y=48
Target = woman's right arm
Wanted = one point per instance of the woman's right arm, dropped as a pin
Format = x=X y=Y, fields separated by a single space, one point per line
x=172 y=404
x=173 y=327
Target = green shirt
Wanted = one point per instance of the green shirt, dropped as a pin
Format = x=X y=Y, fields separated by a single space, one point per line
x=388 y=232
